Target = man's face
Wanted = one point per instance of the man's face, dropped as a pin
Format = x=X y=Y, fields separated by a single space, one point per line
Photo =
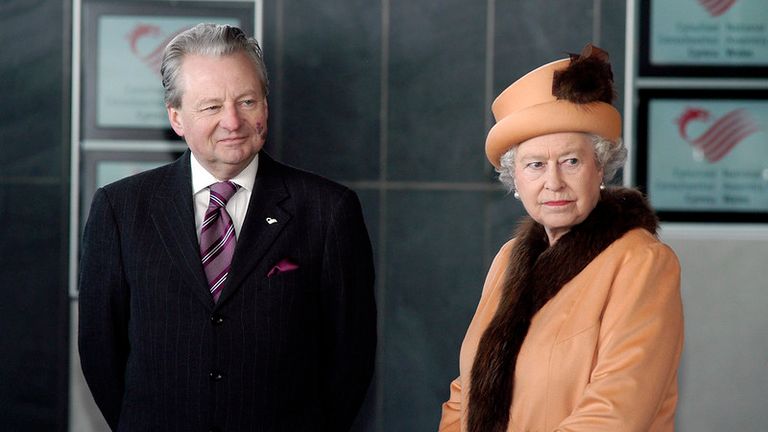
x=223 y=112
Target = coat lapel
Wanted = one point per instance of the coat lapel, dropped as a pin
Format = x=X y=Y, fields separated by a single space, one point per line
x=173 y=215
x=266 y=218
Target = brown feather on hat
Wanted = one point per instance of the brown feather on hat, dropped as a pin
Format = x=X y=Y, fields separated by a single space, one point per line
x=567 y=95
x=588 y=78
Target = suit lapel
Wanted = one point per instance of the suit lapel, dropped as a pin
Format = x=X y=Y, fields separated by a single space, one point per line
x=174 y=218
x=266 y=218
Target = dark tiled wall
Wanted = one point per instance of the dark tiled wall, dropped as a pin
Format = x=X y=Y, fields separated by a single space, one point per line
x=435 y=91
x=393 y=98
x=34 y=185
x=327 y=85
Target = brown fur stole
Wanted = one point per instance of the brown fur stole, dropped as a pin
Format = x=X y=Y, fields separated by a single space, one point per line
x=535 y=274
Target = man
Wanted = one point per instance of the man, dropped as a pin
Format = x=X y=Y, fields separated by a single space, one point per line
x=225 y=291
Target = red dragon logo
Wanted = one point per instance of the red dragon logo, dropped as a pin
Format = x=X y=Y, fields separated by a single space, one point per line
x=141 y=36
x=717 y=7
x=722 y=136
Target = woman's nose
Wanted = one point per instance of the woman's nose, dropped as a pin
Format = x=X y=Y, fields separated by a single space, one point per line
x=554 y=179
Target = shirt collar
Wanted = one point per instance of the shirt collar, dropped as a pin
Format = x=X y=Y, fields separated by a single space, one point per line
x=201 y=178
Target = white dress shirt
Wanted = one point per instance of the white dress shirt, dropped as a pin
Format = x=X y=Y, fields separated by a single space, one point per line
x=237 y=206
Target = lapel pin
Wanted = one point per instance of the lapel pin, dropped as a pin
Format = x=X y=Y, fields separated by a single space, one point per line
x=271 y=220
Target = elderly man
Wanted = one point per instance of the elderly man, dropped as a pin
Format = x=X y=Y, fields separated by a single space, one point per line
x=225 y=291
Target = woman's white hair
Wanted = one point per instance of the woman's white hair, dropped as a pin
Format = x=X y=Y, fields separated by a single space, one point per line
x=609 y=155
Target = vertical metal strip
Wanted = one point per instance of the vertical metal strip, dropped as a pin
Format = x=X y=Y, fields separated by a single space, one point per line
x=74 y=170
x=629 y=91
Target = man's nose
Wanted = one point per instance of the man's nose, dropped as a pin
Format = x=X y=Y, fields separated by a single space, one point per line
x=230 y=118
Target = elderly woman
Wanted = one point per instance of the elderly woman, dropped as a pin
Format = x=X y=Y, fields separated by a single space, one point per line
x=580 y=325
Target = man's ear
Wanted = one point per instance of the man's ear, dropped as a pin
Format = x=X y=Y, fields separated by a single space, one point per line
x=174 y=117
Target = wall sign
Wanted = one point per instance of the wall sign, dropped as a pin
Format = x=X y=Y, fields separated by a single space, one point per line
x=122 y=49
x=703 y=154
x=707 y=38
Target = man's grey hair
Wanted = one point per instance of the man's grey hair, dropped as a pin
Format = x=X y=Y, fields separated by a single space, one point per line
x=207 y=40
x=609 y=155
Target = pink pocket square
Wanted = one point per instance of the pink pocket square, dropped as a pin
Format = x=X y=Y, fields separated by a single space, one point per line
x=283 y=266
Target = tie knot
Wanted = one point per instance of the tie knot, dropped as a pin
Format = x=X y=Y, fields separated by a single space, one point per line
x=221 y=192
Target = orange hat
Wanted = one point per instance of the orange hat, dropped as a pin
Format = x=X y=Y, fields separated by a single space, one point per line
x=568 y=95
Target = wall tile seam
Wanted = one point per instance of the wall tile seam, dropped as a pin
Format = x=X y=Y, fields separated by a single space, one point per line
x=33 y=180
x=429 y=186
x=489 y=121
x=381 y=284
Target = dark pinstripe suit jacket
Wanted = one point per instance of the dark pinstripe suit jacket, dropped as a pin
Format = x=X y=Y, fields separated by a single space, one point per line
x=290 y=352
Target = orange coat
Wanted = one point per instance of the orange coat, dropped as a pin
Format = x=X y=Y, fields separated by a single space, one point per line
x=602 y=355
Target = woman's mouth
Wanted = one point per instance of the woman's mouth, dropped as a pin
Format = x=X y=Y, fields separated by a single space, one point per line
x=557 y=203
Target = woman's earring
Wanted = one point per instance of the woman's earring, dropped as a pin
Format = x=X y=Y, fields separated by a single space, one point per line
x=602 y=186
x=516 y=195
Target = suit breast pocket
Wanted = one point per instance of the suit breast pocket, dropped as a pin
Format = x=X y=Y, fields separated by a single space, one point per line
x=283 y=280
x=294 y=278
x=288 y=295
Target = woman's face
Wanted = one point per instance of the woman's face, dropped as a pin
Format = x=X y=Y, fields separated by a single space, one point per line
x=558 y=180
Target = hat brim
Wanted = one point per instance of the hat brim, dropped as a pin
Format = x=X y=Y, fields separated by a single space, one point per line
x=551 y=117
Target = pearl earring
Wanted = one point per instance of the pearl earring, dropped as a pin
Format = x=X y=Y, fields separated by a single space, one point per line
x=516 y=195
x=602 y=186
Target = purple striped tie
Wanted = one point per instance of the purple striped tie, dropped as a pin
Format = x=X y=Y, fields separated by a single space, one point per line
x=217 y=237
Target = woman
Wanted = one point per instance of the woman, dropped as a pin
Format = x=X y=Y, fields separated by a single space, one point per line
x=579 y=326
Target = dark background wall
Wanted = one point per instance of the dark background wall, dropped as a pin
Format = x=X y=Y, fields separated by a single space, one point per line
x=390 y=97
x=34 y=195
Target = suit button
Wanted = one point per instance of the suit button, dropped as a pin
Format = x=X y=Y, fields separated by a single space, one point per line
x=217 y=320
x=215 y=375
